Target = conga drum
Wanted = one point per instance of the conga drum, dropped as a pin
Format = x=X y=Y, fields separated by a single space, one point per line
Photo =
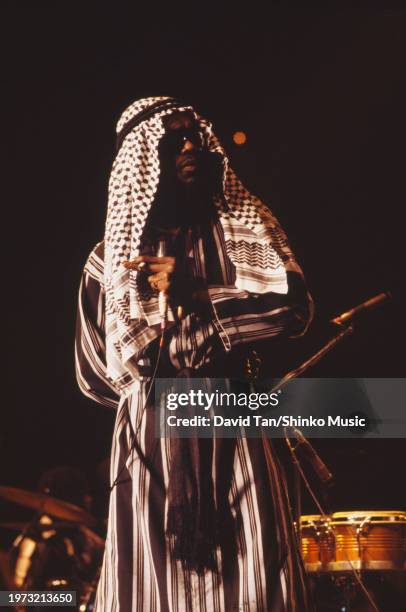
x=317 y=543
x=369 y=540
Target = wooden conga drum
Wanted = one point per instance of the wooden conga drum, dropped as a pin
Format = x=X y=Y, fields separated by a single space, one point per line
x=317 y=544
x=369 y=540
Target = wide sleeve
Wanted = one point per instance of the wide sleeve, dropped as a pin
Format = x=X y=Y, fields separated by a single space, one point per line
x=243 y=316
x=271 y=298
x=90 y=347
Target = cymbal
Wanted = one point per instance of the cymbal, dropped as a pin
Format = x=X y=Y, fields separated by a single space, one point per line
x=13 y=526
x=54 y=525
x=44 y=504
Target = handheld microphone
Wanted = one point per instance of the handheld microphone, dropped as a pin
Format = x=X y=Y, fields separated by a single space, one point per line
x=162 y=297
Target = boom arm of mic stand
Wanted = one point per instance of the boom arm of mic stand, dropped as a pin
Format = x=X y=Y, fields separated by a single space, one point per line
x=345 y=331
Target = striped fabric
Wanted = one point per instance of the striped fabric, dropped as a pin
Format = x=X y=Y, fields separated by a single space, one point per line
x=258 y=565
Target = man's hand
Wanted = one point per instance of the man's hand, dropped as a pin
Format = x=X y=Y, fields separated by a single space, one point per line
x=159 y=270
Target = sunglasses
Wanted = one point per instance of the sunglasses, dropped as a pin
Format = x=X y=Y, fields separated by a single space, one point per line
x=174 y=140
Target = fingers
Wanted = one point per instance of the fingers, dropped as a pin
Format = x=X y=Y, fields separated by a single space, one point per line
x=162 y=275
x=148 y=263
x=168 y=268
x=158 y=268
x=159 y=281
x=133 y=265
x=152 y=259
x=148 y=268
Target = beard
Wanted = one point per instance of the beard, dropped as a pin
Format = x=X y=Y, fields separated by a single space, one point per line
x=178 y=203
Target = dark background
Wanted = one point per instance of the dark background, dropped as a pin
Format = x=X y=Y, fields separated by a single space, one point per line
x=321 y=95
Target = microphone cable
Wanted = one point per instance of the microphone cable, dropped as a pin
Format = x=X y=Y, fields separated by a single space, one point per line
x=134 y=433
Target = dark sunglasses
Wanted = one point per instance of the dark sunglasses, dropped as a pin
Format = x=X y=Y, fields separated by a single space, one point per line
x=174 y=140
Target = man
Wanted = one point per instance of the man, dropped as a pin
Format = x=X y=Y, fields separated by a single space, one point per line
x=197 y=524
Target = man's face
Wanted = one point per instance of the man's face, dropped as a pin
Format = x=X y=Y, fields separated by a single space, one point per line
x=182 y=147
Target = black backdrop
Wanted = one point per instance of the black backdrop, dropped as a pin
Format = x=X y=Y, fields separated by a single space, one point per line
x=321 y=95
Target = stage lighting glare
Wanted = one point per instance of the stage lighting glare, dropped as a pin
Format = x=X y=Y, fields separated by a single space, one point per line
x=240 y=138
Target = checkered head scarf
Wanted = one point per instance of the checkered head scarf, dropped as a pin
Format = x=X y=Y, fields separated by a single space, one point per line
x=132 y=316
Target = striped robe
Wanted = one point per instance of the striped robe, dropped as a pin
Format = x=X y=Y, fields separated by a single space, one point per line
x=258 y=565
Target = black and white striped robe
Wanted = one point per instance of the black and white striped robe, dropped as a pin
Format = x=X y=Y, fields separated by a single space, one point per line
x=258 y=566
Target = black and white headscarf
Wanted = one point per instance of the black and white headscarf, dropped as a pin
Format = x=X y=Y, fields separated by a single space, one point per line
x=261 y=261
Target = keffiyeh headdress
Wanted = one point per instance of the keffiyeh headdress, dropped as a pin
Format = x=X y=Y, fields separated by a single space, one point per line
x=261 y=259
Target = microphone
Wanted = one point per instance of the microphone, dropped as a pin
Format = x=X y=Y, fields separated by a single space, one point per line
x=374 y=301
x=314 y=459
x=162 y=297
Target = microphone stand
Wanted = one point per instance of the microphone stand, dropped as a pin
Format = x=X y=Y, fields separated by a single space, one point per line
x=319 y=467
